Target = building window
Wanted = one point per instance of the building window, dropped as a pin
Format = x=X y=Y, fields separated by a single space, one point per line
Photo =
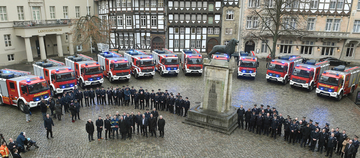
x=187 y=4
x=65 y=12
x=176 y=43
x=124 y=3
x=153 y=20
x=210 y=31
x=143 y=20
x=285 y=46
x=128 y=20
x=182 y=17
x=182 y=44
x=211 y=7
x=153 y=3
x=119 y=20
x=77 y=11
x=193 y=4
x=182 y=31
x=7 y=40
x=198 y=30
x=228 y=31
x=229 y=15
x=199 y=5
x=181 y=4
x=36 y=13
x=340 y=4
x=217 y=31
x=358 y=7
x=176 y=30
x=252 y=22
x=193 y=17
x=193 y=30
x=210 y=20
x=336 y=25
x=147 y=3
x=289 y=23
x=20 y=10
x=253 y=3
x=328 y=48
x=187 y=17
x=128 y=3
x=310 y=24
x=176 y=4
x=332 y=25
x=3 y=14
x=160 y=3
x=52 y=12
x=356 y=28
x=198 y=43
x=10 y=57
x=350 y=50
x=332 y=4
x=314 y=4
x=269 y=3
x=204 y=17
x=307 y=47
x=88 y=10
x=264 y=46
x=192 y=43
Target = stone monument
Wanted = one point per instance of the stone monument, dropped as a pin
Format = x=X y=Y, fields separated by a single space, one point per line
x=215 y=112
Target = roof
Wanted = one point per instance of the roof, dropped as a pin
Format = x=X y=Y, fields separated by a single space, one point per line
x=21 y=78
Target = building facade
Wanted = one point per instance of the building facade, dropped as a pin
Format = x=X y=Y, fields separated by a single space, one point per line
x=138 y=24
x=194 y=24
x=331 y=29
x=230 y=21
x=33 y=28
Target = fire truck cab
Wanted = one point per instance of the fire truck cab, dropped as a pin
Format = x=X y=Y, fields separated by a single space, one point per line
x=191 y=61
x=247 y=66
x=338 y=82
x=280 y=70
x=19 y=87
x=307 y=75
x=141 y=63
x=87 y=71
x=166 y=62
x=115 y=67
x=60 y=77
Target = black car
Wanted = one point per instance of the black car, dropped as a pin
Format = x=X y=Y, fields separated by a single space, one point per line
x=334 y=61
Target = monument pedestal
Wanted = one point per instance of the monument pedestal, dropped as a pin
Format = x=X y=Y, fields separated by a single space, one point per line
x=216 y=112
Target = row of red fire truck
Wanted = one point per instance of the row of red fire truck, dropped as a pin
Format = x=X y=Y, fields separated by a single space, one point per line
x=114 y=66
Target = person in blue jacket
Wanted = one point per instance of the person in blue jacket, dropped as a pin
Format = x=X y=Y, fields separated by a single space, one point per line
x=127 y=94
x=115 y=127
x=20 y=140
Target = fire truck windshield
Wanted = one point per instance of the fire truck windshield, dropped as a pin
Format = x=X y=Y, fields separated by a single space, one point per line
x=146 y=63
x=65 y=76
x=171 y=61
x=247 y=64
x=302 y=73
x=38 y=87
x=278 y=68
x=92 y=70
x=329 y=80
x=120 y=66
x=194 y=61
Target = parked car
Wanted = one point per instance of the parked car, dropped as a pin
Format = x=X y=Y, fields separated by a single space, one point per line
x=334 y=61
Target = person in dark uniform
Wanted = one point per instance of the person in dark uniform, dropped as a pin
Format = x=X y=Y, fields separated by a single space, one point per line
x=275 y=111
x=152 y=99
x=138 y=122
x=274 y=126
x=161 y=125
x=247 y=119
x=241 y=113
x=252 y=122
x=182 y=102
x=259 y=123
x=293 y=131
x=267 y=124
x=107 y=124
x=129 y=123
x=159 y=93
x=356 y=144
x=120 y=96
x=141 y=90
x=114 y=94
x=99 y=127
x=144 y=124
x=287 y=125
x=162 y=102
x=157 y=101
x=155 y=113
x=281 y=122
x=109 y=93
x=123 y=92
x=300 y=126
x=133 y=119
x=349 y=150
x=306 y=132
x=327 y=130
x=142 y=100
x=64 y=102
x=92 y=96
x=73 y=112
x=172 y=102
x=136 y=99
x=268 y=110
x=127 y=95
x=186 y=106
x=98 y=96
x=133 y=91
x=90 y=129
x=103 y=96
x=152 y=125
x=342 y=137
x=86 y=97
x=304 y=121
x=77 y=109
x=147 y=97
x=255 y=109
x=323 y=136
x=80 y=97
x=123 y=128
x=315 y=135
x=331 y=144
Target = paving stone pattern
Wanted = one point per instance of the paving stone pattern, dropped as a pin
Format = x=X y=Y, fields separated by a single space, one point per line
x=182 y=140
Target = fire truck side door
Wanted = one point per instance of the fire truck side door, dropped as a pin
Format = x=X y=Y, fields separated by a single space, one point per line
x=46 y=75
x=317 y=72
x=107 y=68
x=291 y=68
x=77 y=70
x=346 y=86
x=53 y=79
x=12 y=89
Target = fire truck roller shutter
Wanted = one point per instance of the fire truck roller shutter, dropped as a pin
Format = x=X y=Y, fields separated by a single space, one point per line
x=70 y=63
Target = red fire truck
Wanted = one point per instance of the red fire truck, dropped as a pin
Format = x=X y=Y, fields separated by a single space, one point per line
x=191 y=61
x=142 y=64
x=115 y=66
x=87 y=71
x=338 y=82
x=220 y=56
x=166 y=62
x=19 y=87
x=307 y=75
x=247 y=66
x=60 y=77
x=281 y=69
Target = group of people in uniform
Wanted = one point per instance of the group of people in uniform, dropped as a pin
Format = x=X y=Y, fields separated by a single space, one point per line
x=269 y=122
x=127 y=124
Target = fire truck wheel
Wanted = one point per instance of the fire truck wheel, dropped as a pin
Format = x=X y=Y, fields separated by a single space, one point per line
x=318 y=94
x=21 y=105
x=111 y=79
x=285 y=80
x=81 y=84
x=52 y=92
x=136 y=75
x=176 y=74
x=311 y=87
x=268 y=80
x=1 y=102
x=161 y=73
x=339 y=97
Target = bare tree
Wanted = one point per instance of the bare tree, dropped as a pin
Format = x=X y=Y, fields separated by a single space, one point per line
x=91 y=30
x=277 y=19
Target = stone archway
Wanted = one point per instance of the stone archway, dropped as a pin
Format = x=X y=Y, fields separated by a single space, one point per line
x=249 y=46
x=157 y=43
x=210 y=44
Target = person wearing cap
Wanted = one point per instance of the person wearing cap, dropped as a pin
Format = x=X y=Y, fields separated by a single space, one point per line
x=342 y=137
x=141 y=90
x=322 y=138
x=147 y=97
x=152 y=99
x=181 y=106
x=121 y=96
x=275 y=111
x=315 y=135
x=247 y=119
x=107 y=125
x=166 y=93
x=304 y=120
x=98 y=96
x=133 y=92
x=127 y=94
x=103 y=96
x=159 y=93
x=155 y=113
x=287 y=125
x=92 y=96
x=171 y=103
x=77 y=109
x=109 y=93
x=99 y=127
x=162 y=99
x=356 y=144
x=86 y=97
x=327 y=128
x=254 y=109
x=114 y=94
x=259 y=123
x=274 y=126
x=306 y=131
x=267 y=124
x=331 y=145
x=281 y=122
x=241 y=113
x=186 y=106
x=156 y=100
x=167 y=102
x=293 y=131
x=253 y=122
x=268 y=110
